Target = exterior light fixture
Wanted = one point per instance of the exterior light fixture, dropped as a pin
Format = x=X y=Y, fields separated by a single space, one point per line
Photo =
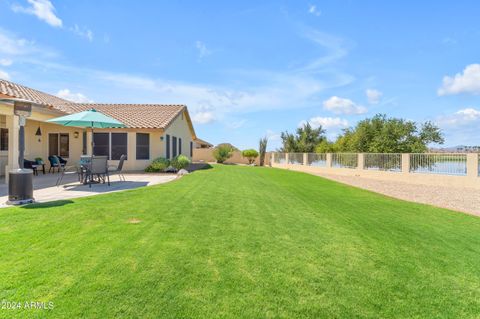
x=39 y=134
x=75 y=134
x=161 y=138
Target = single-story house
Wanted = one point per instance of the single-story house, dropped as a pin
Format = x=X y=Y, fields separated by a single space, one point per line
x=199 y=143
x=153 y=130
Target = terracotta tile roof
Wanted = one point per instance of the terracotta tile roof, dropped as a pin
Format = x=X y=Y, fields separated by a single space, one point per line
x=26 y=93
x=132 y=115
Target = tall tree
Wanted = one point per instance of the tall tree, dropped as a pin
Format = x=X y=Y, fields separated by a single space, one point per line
x=380 y=134
x=304 y=140
x=263 y=149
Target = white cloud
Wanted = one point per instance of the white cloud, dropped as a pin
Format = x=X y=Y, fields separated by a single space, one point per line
x=82 y=32
x=5 y=62
x=203 y=117
x=4 y=75
x=312 y=9
x=272 y=135
x=14 y=46
x=203 y=51
x=234 y=125
x=462 y=117
x=326 y=122
x=42 y=9
x=373 y=96
x=466 y=82
x=340 y=105
x=74 y=97
x=335 y=48
x=461 y=127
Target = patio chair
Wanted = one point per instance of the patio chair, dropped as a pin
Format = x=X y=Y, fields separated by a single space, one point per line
x=56 y=162
x=112 y=170
x=99 y=168
x=31 y=165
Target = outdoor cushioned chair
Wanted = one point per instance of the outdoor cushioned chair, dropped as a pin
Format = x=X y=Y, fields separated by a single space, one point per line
x=56 y=162
x=112 y=170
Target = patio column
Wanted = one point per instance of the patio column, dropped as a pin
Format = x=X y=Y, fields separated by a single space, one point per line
x=89 y=142
x=13 y=127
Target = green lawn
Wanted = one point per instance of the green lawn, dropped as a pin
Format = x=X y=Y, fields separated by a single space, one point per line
x=244 y=242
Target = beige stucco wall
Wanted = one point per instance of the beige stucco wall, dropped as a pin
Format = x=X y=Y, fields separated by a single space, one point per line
x=180 y=129
x=206 y=155
x=37 y=146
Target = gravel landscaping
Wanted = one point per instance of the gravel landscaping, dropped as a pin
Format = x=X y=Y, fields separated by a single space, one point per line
x=461 y=199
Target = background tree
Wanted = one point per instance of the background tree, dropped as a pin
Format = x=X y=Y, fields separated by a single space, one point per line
x=263 y=150
x=380 y=134
x=250 y=154
x=305 y=140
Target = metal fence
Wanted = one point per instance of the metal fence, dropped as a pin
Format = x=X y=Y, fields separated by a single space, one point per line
x=295 y=158
x=317 y=159
x=383 y=162
x=447 y=164
x=345 y=160
x=280 y=158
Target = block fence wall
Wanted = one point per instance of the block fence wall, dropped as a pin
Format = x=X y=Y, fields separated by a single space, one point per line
x=206 y=155
x=435 y=169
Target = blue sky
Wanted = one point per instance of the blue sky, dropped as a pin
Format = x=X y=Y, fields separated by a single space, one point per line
x=254 y=68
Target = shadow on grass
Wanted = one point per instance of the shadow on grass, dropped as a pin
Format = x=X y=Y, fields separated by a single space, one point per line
x=198 y=166
x=56 y=203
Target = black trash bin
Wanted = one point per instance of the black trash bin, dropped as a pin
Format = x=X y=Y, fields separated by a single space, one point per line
x=20 y=186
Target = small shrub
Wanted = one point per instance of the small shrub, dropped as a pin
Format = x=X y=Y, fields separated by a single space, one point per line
x=158 y=165
x=222 y=153
x=180 y=162
x=250 y=154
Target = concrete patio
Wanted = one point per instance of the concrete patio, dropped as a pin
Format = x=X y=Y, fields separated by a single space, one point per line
x=45 y=188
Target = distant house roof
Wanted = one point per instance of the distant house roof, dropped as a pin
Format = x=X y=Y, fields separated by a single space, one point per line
x=203 y=142
x=132 y=115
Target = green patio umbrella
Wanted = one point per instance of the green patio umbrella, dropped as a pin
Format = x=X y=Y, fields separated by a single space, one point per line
x=89 y=119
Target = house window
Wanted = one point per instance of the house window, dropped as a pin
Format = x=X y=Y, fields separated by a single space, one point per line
x=113 y=145
x=59 y=144
x=3 y=139
x=174 y=146
x=167 y=146
x=179 y=146
x=143 y=146
x=191 y=149
x=101 y=144
x=119 y=145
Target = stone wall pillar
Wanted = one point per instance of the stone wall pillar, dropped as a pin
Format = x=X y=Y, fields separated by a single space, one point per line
x=472 y=165
x=329 y=160
x=406 y=163
x=361 y=161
